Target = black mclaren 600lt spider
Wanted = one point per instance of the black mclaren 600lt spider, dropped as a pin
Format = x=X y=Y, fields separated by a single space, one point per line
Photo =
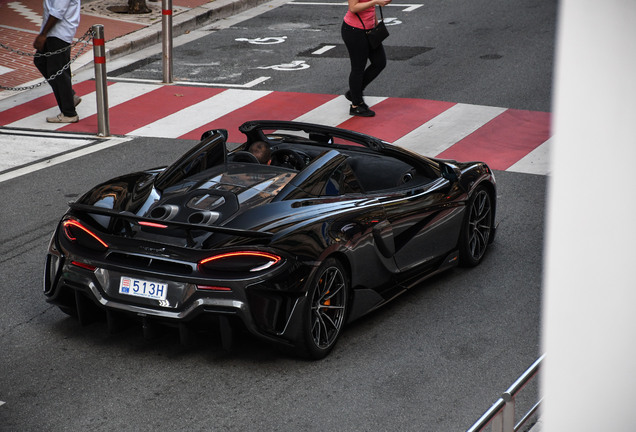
x=326 y=226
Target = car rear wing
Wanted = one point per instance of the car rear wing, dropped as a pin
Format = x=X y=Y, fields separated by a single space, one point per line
x=327 y=133
x=134 y=220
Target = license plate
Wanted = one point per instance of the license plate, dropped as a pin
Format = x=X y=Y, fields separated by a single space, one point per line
x=143 y=288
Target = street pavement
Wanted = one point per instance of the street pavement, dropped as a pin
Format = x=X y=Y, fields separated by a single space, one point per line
x=514 y=140
x=509 y=139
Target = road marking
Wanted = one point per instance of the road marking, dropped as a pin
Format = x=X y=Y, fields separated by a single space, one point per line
x=323 y=49
x=2 y=403
x=92 y=144
x=17 y=150
x=294 y=65
x=199 y=114
x=331 y=113
x=250 y=84
x=454 y=124
x=263 y=41
x=536 y=162
x=117 y=94
x=26 y=12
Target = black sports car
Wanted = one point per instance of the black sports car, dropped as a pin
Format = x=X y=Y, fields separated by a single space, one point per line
x=329 y=225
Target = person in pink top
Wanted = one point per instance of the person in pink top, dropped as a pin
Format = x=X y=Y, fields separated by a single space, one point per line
x=361 y=16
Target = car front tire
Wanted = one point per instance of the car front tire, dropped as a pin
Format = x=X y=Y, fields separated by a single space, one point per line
x=477 y=229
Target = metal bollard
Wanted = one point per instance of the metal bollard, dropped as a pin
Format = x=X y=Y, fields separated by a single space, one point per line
x=166 y=30
x=101 y=89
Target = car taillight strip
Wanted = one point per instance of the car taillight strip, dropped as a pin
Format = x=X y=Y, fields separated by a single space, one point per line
x=152 y=224
x=213 y=288
x=271 y=257
x=83 y=265
x=73 y=223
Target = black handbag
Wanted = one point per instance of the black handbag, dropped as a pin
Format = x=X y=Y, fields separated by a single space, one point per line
x=377 y=34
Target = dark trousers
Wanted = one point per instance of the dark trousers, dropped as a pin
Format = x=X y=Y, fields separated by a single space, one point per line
x=49 y=66
x=359 y=52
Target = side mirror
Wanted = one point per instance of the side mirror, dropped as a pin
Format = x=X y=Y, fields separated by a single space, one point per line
x=450 y=172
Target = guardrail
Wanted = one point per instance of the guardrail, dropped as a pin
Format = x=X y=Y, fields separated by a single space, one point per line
x=501 y=416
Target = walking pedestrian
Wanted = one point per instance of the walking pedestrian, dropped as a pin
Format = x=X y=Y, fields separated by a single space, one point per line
x=59 y=24
x=361 y=16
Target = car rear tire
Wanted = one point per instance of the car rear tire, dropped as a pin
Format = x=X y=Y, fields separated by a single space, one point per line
x=477 y=229
x=325 y=311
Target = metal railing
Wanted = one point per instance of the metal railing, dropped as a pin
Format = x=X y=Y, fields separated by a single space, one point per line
x=501 y=416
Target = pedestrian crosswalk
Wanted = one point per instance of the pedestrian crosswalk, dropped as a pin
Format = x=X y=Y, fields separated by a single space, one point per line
x=507 y=139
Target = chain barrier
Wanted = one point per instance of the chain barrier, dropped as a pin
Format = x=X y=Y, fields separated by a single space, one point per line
x=85 y=39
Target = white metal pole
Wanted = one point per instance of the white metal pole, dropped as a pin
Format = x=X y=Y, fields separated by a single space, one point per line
x=101 y=88
x=166 y=27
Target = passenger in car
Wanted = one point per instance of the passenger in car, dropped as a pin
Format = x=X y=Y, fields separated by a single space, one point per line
x=262 y=151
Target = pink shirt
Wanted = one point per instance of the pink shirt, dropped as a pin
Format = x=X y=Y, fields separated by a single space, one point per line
x=367 y=15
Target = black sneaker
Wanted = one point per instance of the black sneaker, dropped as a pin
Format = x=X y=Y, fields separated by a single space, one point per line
x=361 y=110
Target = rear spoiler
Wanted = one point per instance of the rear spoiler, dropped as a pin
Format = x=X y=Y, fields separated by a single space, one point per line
x=133 y=219
x=328 y=132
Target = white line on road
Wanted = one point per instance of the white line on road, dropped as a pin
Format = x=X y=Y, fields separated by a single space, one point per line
x=323 y=49
x=454 y=124
x=536 y=162
x=54 y=159
x=193 y=83
x=197 y=115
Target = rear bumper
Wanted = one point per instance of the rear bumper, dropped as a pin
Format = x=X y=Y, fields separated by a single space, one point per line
x=267 y=307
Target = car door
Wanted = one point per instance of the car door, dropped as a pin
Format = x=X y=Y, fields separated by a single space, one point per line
x=425 y=221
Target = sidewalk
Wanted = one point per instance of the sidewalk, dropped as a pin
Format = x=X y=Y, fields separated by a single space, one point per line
x=124 y=33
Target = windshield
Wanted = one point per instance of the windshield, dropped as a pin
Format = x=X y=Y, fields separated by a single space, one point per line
x=205 y=155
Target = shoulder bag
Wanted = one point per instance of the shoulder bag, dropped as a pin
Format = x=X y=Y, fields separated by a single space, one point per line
x=378 y=33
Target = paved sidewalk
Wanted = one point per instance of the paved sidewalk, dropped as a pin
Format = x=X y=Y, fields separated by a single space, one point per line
x=20 y=22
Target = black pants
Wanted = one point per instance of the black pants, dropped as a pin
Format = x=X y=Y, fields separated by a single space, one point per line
x=359 y=52
x=49 y=66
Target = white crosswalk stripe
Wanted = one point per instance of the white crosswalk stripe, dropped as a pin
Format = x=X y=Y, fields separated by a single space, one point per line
x=440 y=133
x=334 y=112
x=526 y=132
x=191 y=118
x=26 y=12
x=536 y=162
x=117 y=93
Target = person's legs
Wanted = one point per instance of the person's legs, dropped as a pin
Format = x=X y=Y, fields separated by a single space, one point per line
x=61 y=85
x=358 y=47
x=377 y=58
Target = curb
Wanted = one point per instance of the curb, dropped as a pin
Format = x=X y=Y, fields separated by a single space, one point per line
x=181 y=24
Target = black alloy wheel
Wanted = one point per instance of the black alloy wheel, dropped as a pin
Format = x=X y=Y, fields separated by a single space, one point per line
x=477 y=229
x=327 y=309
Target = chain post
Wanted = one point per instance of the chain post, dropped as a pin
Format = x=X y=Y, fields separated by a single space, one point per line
x=101 y=88
x=166 y=31
x=84 y=40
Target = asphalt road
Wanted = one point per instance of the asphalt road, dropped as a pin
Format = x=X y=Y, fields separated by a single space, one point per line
x=432 y=360
x=484 y=52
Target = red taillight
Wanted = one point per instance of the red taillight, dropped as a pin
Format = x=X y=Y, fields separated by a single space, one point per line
x=78 y=233
x=240 y=261
x=153 y=224
x=84 y=265
x=213 y=288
